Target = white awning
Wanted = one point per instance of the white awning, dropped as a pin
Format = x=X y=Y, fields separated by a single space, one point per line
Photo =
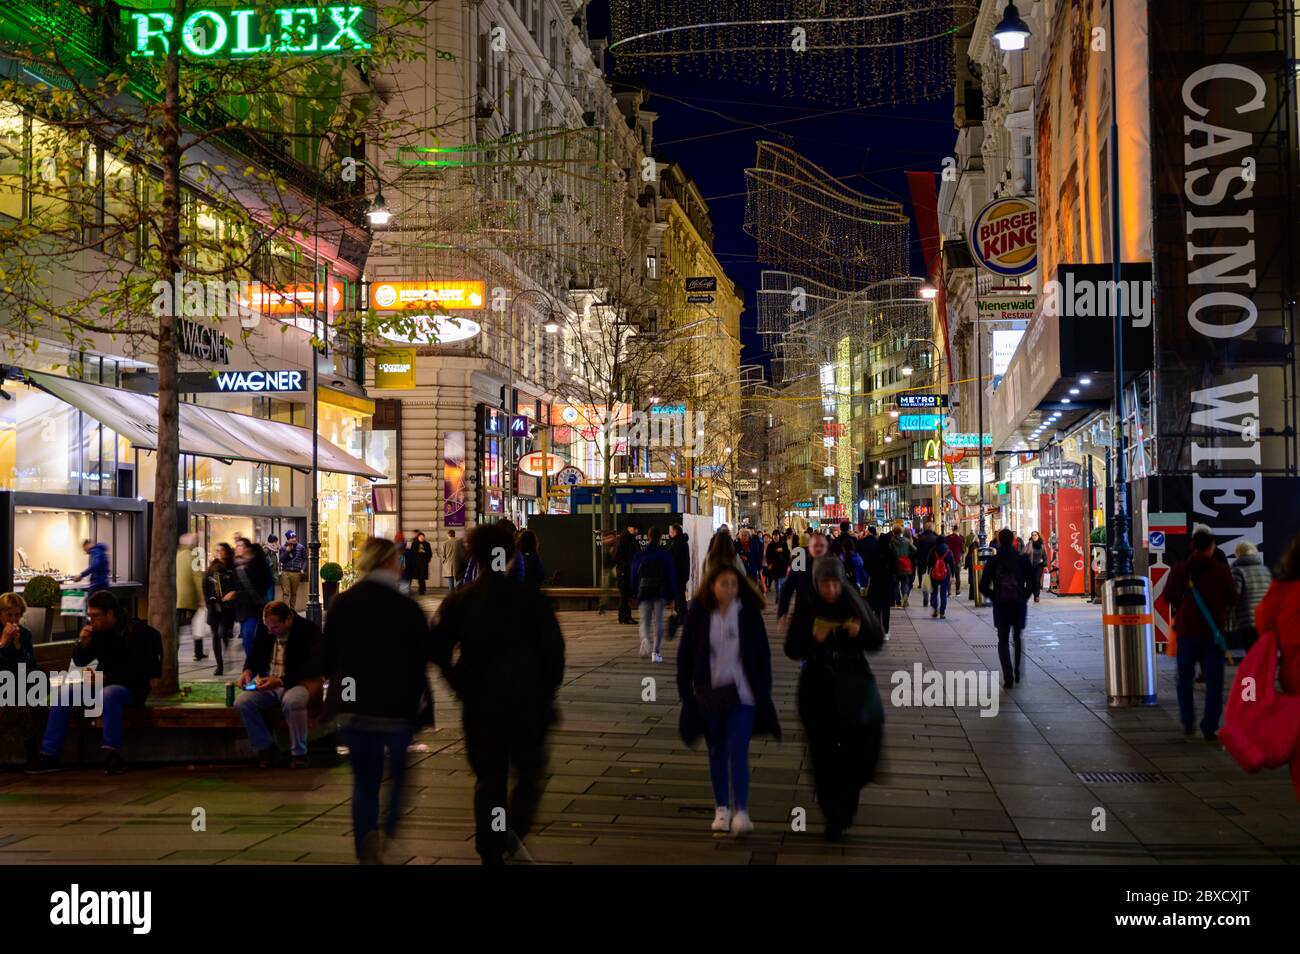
x=204 y=431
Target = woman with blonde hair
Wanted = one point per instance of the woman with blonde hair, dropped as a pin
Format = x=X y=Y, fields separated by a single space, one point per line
x=1251 y=578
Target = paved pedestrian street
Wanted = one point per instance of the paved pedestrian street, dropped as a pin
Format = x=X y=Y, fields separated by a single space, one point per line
x=954 y=786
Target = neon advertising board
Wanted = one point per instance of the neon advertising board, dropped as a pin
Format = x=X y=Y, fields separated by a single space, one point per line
x=418 y=296
x=229 y=33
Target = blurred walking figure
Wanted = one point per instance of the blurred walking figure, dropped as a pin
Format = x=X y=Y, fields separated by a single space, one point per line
x=778 y=563
x=452 y=558
x=679 y=548
x=1200 y=590
x=293 y=563
x=1005 y=581
x=499 y=645
x=798 y=585
x=527 y=564
x=724 y=681
x=1038 y=559
x=97 y=570
x=218 y=581
x=252 y=579
x=839 y=703
x=924 y=545
x=957 y=547
x=904 y=564
x=1251 y=579
x=189 y=587
x=378 y=686
x=627 y=550
x=940 y=571
x=654 y=579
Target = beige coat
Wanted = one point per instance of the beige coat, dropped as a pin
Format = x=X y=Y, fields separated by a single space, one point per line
x=189 y=581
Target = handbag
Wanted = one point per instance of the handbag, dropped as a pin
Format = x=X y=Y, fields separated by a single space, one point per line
x=717 y=700
x=1261 y=724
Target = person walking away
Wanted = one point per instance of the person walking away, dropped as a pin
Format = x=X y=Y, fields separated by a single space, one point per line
x=527 y=562
x=97 y=569
x=18 y=658
x=904 y=565
x=1005 y=582
x=419 y=554
x=251 y=580
x=1037 y=561
x=679 y=548
x=941 y=571
x=957 y=547
x=724 y=681
x=393 y=657
x=839 y=703
x=654 y=580
x=1251 y=579
x=755 y=556
x=459 y=561
x=972 y=561
x=854 y=570
x=284 y=667
x=1200 y=590
x=293 y=563
x=219 y=580
x=627 y=550
x=129 y=655
x=778 y=563
x=924 y=545
x=798 y=583
x=508 y=655
x=189 y=588
x=722 y=549
x=882 y=581
x=447 y=560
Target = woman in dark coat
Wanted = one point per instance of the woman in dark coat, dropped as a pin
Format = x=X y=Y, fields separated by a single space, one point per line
x=839 y=703
x=724 y=679
x=418 y=557
x=1007 y=583
x=217 y=582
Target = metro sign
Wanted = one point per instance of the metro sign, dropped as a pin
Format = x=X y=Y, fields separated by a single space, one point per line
x=209 y=33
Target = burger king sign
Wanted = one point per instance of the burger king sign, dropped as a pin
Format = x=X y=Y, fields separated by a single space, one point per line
x=1004 y=236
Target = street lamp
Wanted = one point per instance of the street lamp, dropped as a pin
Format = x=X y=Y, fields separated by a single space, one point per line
x=929 y=292
x=378 y=213
x=907 y=370
x=1012 y=32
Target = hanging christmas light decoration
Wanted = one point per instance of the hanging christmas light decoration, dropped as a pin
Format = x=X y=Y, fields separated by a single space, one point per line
x=846 y=52
x=806 y=221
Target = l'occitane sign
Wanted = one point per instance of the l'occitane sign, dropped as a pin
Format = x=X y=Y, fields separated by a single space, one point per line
x=218 y=34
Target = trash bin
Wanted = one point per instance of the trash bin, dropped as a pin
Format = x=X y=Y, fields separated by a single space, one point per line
x=1128 y=637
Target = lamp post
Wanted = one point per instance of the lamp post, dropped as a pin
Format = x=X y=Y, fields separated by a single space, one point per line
x=378 y=214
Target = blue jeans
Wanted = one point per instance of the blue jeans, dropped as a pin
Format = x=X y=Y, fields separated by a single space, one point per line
x=652 y=615
x=1211 y=660
x=904 y=587
x=728 y=740
x=247 y=632
x=366 y=753
x=293 y=702
x=939 y=594
x=777 y=583
x=116 y=701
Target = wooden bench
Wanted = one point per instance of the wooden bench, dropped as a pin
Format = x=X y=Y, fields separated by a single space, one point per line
x=580 y=597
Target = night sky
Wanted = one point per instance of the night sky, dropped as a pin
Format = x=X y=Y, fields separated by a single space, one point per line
x=874 y=145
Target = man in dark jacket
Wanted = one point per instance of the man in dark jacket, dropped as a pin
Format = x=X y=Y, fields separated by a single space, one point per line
x=419 y=554
x=778 y=563
x=97 y=569
x=654 y=580
x=924 y=545
x=957 y=547
x=509 y=667
x=1006 y=582
x=379 y=686
x=628 y=548
x=679 y=548
x=128 y=656
x=799 y=581
x=284 y=666
x=293 y=563
x=1200 y=625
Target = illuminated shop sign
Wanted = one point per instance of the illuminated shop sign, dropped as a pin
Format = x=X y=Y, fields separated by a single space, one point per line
x=395 y=368
x=1004 y=236
x=418 y=296
x=241 y=381
x=922 y=400
x=968 y=440
x=430 y=330
x=668 y=409
x=244 y=32
x=293 y=299
x=920 y=422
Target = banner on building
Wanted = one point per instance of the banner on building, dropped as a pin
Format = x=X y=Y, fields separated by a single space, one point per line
x=1071 y=542
x=453 y=479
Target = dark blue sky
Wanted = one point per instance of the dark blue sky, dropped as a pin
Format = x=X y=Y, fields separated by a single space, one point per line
x=875 y=145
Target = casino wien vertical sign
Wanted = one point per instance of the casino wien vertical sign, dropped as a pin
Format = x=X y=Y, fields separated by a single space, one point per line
x=1224 y=119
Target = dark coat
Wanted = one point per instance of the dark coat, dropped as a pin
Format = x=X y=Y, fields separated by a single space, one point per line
x=528 y=568
x=301 y=655
x=129 y=654
x=1012 y=612
x=393 y=656
x=880 y=569
x=693 y=670
x=293 y=558
x=666 y=587
x=800 y=582
x=252 y=582
x=924 y=544
x=1214 y=583
x=24 y=652
x=778 y=559
x=627 y=549
x=418 y=556
x=511 y=659
x=679 y=548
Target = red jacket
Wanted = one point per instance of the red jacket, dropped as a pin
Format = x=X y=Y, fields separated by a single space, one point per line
x=956 y=545
x=1279 y=611
x=1213 y=582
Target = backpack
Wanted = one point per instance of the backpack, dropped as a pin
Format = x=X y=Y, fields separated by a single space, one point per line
x=905 y=565
x=939 y=572
x=1007 y=585
x=650 y=578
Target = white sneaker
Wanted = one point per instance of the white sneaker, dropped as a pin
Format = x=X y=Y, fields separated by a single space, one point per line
x=645 y=648
x=657 y=657
x=740 y=823
x=721 y=818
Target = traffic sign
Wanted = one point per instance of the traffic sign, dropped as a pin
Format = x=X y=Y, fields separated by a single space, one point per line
x=1156 y=541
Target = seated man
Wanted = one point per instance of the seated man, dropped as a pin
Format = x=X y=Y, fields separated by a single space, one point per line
x=284 y=664
x=129 y=655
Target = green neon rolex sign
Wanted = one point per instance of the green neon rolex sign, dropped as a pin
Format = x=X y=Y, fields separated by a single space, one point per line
x=220 y=34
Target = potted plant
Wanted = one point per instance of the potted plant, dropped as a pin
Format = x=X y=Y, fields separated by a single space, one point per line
x=43 y=595
x=330 y=574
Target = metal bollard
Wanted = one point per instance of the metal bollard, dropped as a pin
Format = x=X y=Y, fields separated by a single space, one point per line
x=1128 y=637
x=982 y=557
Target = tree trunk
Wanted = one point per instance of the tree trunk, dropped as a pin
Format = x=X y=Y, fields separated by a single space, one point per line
x=163 y=541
